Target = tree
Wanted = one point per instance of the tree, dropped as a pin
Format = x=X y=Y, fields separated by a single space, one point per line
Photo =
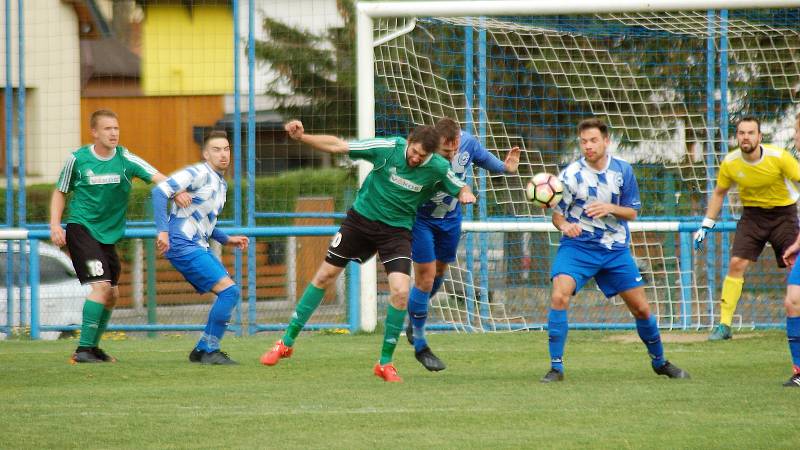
x=316 y=72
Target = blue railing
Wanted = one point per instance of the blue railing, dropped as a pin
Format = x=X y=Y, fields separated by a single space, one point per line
x=34 y=236
x=684 y=230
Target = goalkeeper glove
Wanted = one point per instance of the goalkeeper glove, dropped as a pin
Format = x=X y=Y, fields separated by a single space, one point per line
x=700 y=234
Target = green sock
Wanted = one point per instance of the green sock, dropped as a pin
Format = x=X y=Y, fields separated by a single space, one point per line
x=394 y=324
x=305 y=307
x=101 y=327
x=92 y=315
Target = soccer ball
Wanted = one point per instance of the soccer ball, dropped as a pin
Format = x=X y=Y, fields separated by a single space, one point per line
x=544 y=190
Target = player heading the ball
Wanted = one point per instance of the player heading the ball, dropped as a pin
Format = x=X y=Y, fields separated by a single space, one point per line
x=405 y=174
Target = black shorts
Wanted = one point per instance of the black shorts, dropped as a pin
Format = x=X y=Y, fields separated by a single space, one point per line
x=778 y=226
x=92 y=260
x=359 y=238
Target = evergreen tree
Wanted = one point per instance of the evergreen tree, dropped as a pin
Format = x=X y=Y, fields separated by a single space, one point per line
x=319 y=71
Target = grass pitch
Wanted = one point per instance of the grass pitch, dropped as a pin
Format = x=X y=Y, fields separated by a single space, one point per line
x=325 y=396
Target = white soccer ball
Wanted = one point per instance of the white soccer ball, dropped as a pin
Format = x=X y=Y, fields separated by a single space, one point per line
x=544 y=190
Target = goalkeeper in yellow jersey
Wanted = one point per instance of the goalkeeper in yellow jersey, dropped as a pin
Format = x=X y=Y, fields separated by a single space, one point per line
x=766 y=177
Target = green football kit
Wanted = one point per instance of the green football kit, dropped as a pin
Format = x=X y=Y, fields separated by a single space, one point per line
x=101 y=188
x=380 y=221
x=393 y=190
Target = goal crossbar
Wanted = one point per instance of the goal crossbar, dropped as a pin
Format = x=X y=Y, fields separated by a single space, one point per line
x=527 y=7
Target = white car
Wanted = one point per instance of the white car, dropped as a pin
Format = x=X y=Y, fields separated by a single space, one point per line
x=61 y=295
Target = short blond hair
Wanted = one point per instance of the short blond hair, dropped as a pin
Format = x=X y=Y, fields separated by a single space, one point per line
x=95 y=117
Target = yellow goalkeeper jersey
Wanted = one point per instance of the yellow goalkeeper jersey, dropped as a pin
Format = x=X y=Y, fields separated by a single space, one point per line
x=766 y=183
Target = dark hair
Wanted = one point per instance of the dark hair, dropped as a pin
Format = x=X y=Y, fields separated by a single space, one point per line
x=427 y=136
x=214 y=134
x=749 y=119
x=448 y=129
x=593 y=122
x=101 y=113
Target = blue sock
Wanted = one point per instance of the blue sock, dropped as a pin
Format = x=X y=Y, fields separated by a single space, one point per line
x=793 y=335
x=437 y=283
x=648 y=332
x=418 y=313
x=557 y=333
x=218 y=319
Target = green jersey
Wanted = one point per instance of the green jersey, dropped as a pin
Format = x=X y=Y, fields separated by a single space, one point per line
x=101 y=188
x=393 y=190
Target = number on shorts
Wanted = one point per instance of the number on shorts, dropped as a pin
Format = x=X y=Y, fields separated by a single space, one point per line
x=95 y=268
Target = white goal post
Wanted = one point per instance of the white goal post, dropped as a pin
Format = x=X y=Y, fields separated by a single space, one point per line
x=368 y=11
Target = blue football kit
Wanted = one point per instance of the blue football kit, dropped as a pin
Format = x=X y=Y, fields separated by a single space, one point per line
x=189 y=230
x=437 y=232
x=437 y=228
x=602 y=250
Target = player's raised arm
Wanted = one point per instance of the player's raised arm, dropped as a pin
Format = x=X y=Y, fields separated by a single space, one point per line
x=512 y=160
x=322 y=142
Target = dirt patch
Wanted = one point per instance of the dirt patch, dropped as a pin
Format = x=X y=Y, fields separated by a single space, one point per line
x=679 y=337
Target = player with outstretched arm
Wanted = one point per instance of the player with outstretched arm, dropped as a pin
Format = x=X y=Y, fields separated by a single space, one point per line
x=437 y=231
x=405 y=174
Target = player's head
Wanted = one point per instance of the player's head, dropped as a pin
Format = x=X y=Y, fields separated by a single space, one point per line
x=422 y=142
x=748 y=134
x=449 y=137
x=105 y=128
x=217 y=150
x=593 y=138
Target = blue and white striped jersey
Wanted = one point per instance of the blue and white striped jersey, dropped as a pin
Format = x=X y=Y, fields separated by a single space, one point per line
x=190 y=228
x=583 y=185
x=443 y=205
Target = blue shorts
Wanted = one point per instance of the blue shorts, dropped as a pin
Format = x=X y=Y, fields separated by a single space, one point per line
x=200 y=268
x=614 y=271
x=794 y=275
x=435 y=240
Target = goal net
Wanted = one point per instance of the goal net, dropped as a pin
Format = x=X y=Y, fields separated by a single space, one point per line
x=669 y=84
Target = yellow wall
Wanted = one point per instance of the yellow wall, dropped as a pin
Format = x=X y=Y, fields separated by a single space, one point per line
x=187 y=54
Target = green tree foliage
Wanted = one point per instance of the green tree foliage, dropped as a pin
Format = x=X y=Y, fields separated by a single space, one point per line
x=319 y=70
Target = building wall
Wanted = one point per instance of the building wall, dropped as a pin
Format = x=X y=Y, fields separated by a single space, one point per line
x=187 y=53
x=159 y=129
x=183 y=54
x=52 y=79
